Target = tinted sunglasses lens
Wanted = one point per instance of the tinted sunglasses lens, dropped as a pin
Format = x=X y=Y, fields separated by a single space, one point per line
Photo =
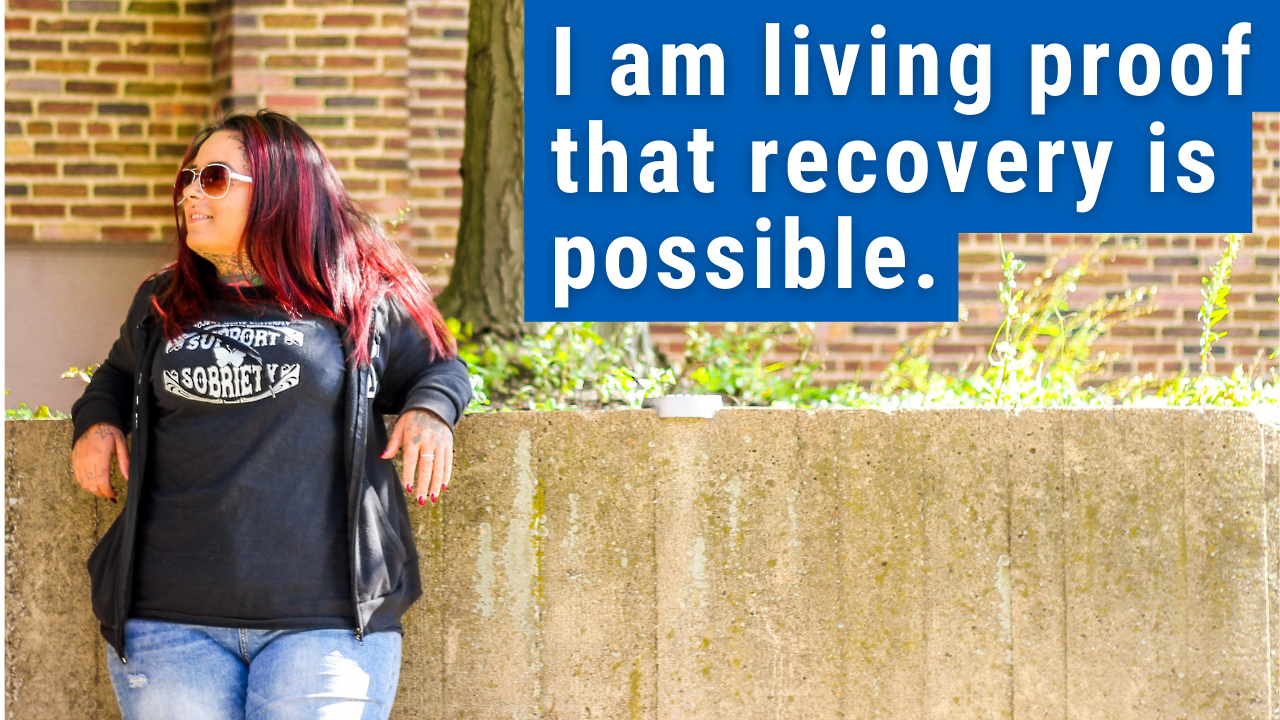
x=185 y=178
x=215 y=181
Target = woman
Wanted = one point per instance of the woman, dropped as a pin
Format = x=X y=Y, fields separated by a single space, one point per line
x=262 y=561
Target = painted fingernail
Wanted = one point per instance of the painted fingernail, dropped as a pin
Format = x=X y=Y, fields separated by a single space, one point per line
x=422 y=500
x=113 y=500
x=408 y=487
x=433 y=497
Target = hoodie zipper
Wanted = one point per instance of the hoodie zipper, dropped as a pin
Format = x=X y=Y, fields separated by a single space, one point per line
x=138 y=465
x=361 y=388
x=359 y=444
x=357 y=482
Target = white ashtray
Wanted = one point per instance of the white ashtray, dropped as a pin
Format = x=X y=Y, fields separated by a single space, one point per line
x=684 y=406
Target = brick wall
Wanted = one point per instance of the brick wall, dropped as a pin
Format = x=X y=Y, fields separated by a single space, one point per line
x=102 y=97
x=1165 y=342
x=437 y=83
x=339 y=67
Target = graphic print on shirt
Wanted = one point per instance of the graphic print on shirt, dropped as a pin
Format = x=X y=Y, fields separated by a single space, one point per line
x=213 y=371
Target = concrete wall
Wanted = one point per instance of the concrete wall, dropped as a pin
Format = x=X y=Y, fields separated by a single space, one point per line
x=1115 y=564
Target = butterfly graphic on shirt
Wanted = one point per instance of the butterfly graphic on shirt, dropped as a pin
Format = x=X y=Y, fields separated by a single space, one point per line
x=228 y=356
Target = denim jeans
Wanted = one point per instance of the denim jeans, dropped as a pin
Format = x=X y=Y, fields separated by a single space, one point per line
x=194 y=672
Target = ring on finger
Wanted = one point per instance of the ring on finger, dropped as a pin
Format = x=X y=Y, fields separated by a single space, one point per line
x=428 y=456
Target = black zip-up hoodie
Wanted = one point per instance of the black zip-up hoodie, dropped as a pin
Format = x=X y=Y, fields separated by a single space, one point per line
x=403 y=374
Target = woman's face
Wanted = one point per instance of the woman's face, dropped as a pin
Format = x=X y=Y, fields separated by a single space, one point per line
x=216 y=227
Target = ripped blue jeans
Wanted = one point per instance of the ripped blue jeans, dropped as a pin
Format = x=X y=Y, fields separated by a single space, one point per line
x=195 y=672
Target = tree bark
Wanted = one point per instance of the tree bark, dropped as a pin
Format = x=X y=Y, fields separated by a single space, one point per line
x=486 y=284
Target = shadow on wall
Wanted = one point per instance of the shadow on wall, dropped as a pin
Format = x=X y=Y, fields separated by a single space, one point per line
x=63 y=308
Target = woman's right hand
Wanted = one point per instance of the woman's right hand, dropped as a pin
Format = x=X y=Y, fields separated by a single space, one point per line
x=91 y=459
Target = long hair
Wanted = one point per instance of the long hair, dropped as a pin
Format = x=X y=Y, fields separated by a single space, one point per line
x=313 y=248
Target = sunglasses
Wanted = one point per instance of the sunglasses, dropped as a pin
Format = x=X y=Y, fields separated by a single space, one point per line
x=214 y=181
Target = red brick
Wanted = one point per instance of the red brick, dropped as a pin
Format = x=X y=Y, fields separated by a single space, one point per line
x=93 y=47
x=291 y=61
x=328 y=41
x=123 y=68
x=119 y=27
x=262 y=41
x=379 y=41
x=90 y=169
x=61 y=190
x=192 y=29
x=98 y=211
x=165 y=70
x=91 y=88
x=19 y=45
x=441 y=93
x=181 y=110
x=41 y=5
x=380 y=123
x=121 y=148
x=50 y=65
x=350 y=62
x=376 y=81
x=136 y=89
x=153 y=48
x=62 y=26
x=335 y=20
x=437 y=53
x=59 y=107
x=300 y=22
x=47 y=148
x=33 y=210
x=31 y=85
x=441 y=12
x=348 y=142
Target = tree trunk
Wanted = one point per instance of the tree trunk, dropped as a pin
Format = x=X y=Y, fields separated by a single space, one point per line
x=486 y=284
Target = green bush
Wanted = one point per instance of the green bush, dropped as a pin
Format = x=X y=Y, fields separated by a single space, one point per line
x=1041 y=355
x=567 y=366
x=26 y=412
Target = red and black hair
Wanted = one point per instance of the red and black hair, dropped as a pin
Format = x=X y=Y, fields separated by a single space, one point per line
x=315 y=250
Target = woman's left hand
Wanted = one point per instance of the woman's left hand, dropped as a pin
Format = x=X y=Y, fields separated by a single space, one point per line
x=428 y=453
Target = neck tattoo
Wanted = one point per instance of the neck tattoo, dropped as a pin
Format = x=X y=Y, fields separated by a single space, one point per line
x=233 y=270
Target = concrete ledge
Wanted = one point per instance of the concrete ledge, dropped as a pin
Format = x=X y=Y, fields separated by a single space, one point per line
x=1117 y=564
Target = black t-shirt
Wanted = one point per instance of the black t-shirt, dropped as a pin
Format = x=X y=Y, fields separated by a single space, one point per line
x=244 y=515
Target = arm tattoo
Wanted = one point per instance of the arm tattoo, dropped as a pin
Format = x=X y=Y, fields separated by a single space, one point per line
x=103 y=431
